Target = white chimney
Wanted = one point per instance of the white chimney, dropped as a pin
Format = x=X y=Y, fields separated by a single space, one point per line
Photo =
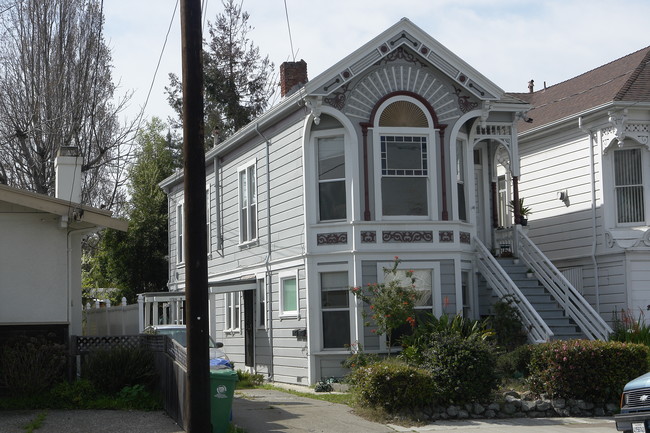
x=67 y=169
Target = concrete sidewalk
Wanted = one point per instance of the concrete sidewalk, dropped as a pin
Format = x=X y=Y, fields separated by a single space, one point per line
x=262 y=411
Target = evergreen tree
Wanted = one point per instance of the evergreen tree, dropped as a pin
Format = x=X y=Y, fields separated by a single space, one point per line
x=135 y=261
x=238 y=80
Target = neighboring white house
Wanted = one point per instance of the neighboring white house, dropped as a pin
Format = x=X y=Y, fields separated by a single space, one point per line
x=586 y=174
x=40 y=258
x=396 y=150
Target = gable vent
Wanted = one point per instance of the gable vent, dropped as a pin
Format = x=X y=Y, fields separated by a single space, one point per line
x=403 y=114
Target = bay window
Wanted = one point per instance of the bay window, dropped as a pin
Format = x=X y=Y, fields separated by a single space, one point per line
x=628 y=184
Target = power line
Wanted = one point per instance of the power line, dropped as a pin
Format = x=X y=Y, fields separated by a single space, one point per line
x=153 y=79
x=286 y=13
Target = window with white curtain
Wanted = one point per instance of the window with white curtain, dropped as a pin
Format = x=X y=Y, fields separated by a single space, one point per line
x=247 y=203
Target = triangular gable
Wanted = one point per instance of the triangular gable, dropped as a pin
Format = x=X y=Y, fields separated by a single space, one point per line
x=406 y=35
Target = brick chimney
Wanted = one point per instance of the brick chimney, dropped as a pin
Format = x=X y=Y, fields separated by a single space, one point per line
x=293 y=75
x=67 y=169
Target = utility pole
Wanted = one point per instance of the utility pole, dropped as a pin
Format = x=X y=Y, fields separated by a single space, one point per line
x=196 y=263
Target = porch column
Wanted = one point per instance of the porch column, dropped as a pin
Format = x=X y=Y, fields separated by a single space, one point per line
x=515 y=198
x=366 y=188
x=443 y=173
x=495 y=203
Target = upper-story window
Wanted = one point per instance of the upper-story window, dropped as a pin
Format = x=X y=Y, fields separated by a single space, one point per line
x=628 y=184
x=404 y=160
x=331 y=178
x=247 y=203
x=179 y=233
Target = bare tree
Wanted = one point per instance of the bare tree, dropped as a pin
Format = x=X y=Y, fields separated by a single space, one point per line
x=56 y=90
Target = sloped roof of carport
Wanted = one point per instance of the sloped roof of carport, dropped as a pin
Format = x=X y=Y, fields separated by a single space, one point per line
x=91 y=217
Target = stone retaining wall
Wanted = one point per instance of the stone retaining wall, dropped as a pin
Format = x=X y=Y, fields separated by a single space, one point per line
x=516 y=405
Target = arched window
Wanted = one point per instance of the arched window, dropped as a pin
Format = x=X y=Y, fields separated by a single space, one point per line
x=404 y=149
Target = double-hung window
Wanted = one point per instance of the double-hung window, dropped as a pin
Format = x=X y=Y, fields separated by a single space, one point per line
x=247 y=203
x=404 y=175
x=335 y=309
x=331 y=178
x=179 y=233
x=208 y=219
x=289 y=295
x=628 y=184
x=233 y=311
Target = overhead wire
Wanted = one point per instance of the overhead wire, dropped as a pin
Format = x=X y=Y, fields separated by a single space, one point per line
x=286 y=13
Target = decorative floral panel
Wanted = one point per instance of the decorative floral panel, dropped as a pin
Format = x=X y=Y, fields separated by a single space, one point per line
x=446 y=236
x=465 y=238
x=407 y=236
x=332 y=238
x=368 y=237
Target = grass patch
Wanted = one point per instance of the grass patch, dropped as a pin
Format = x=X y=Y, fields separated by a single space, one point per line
x=82 y=395
x=341 y=398
x=36 y=423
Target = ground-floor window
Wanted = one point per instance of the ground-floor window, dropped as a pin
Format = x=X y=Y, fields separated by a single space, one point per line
x=335 y=309
x=233 y=311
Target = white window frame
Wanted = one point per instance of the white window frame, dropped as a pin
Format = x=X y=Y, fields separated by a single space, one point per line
x=250 y=171
x=208 y=218
x=349 y=308
x=180 y=232
x=316 y=137
x=285 y=276
x=232 y=312
x=642 y=185
x=623 y=230
x=432 y=157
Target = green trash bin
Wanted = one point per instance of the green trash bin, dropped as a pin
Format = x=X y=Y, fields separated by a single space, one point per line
x=222 y=390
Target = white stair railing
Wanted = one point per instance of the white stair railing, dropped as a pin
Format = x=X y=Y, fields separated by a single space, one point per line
x=502 y=284
x=575 y=305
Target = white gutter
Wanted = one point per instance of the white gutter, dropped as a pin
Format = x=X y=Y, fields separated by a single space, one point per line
x=592 y=175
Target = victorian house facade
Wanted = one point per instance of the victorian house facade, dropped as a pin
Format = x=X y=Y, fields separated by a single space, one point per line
x=396 y=150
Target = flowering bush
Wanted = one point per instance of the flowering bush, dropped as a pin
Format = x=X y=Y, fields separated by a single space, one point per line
x=583 y=369
x=391 y=304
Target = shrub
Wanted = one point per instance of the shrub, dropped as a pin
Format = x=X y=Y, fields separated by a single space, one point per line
x=583 y=369
x=393 y=386
x=358 y=358
x=430 y=326
x=111 y=370
x=31 y=365
x=248 y=380
x=462 y=369
x=507 y=325
x=629 y=330
x=514 y=364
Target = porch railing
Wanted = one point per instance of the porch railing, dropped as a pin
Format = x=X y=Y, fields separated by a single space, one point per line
x=502 y=284
x=575 y=305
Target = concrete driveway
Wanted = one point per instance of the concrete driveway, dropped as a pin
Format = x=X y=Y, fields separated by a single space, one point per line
x=262 y=410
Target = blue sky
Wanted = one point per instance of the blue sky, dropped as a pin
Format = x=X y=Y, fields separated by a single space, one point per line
x=508 y=41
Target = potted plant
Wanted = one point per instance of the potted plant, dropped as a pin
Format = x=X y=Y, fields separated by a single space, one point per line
x=524 y=211
x=530 y=273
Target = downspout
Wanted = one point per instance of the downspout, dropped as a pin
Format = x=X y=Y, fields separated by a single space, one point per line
x=592 y=174
x=269 y=283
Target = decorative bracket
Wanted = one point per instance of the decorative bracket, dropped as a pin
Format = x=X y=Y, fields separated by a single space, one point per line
x=618 y=123
x=485 y=112
x=315 y=104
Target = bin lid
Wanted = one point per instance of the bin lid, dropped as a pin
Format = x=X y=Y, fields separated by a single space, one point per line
x=224 y=372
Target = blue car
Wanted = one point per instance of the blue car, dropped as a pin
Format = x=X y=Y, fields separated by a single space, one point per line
x=635 y=406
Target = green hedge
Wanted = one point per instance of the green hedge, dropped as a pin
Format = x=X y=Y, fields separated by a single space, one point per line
x=587 y=370
x=392 y=385
x=464 y=370
x=111 y=370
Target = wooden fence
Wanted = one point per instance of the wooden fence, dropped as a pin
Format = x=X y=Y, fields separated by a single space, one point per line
x=170 y=359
